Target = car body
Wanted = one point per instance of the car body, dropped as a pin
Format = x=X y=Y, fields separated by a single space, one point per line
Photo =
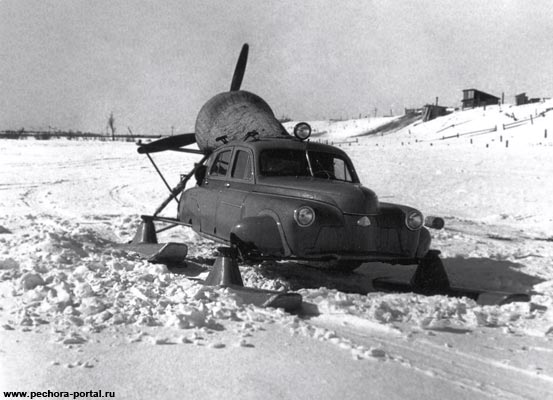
x=288 y=199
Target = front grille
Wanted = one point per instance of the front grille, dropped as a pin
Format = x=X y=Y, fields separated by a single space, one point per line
x=387 y=235
x=395 y=220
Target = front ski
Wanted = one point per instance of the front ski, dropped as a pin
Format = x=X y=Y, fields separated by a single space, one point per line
x=431 y=279
x=482 y=297
x=225 y=273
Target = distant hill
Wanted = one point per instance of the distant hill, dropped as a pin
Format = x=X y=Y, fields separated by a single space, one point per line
x=340 y=130
x=528 y=123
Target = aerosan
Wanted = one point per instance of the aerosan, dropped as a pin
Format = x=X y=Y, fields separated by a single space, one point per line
x=265 y=194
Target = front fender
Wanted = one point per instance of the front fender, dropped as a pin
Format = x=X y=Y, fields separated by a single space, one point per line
x=258 y=235
x=394 y=235
x=424 y=243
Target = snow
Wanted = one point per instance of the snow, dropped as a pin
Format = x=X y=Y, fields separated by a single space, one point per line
x=78 y=313
x=342 y=130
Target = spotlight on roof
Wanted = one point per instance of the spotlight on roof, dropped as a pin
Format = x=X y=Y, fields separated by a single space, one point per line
x=302 y=131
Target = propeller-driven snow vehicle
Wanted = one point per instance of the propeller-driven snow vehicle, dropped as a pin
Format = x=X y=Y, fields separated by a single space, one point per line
x=267 y=195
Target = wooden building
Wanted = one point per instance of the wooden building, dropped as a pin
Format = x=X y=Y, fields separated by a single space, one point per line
x=521 y=99
x=431 y=111
x=476 y=98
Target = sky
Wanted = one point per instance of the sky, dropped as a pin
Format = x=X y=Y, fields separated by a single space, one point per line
x=153 y=64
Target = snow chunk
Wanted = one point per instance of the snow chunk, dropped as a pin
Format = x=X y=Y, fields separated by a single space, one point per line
x=60 y=295
x=31 y=280
x=74 y=338
x=91 y=306
x=35 y=295
x=244 y=343
x=188 y=317
x=161 y=341
x=8 y=263
x=80 y=271
x=83 y=290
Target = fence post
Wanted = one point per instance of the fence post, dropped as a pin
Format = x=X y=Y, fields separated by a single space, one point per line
x=501 y=138
x=531 y=120
x=545 y=134
x=470 y=141
x=506 y=143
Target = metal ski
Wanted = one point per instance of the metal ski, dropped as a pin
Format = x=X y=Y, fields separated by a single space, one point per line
x=431 y=278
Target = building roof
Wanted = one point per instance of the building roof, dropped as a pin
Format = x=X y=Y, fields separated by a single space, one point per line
x=479 y=91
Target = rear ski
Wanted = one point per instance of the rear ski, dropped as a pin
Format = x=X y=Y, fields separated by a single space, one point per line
x=224 y=273
x=160 y=253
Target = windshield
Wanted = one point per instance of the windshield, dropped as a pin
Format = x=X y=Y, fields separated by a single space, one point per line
x=318 y=164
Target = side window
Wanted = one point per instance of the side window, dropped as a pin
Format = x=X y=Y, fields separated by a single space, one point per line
x=341 y=171
x=221 y=164
x=242 y=168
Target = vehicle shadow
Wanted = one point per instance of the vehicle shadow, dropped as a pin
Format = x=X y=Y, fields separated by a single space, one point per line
x=473 y=273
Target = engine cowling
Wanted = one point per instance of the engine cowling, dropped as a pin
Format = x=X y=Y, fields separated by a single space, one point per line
x=234 y=114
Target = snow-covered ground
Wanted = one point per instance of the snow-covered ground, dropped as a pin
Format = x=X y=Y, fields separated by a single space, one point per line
x=79 y=314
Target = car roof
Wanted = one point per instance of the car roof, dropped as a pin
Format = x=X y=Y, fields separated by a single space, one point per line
x=258 y=145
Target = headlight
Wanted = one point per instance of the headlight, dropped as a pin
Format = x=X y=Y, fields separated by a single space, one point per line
x=302 y=131
x=304 y=216
x=414 y=220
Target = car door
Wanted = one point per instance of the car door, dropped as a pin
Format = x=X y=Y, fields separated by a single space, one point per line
x=213 y=183
x=238 y=184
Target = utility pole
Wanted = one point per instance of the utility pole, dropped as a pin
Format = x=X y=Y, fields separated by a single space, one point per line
x=111 y=125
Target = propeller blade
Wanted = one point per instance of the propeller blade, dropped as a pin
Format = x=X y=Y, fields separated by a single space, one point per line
x=240 y=69
x=168 y=143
